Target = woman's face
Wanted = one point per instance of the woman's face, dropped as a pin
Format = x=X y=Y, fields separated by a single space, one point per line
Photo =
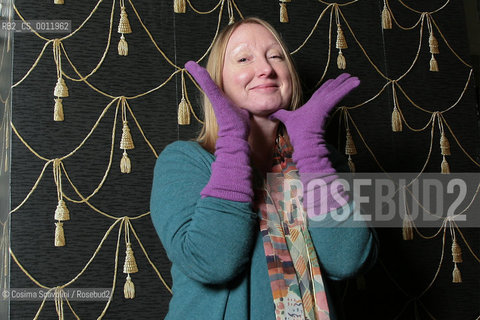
x=255 y=71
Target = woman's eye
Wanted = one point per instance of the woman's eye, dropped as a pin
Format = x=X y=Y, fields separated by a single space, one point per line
x=242 y=60
x=276 y=56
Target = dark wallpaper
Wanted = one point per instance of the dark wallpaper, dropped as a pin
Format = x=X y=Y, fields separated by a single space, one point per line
x=410 y=265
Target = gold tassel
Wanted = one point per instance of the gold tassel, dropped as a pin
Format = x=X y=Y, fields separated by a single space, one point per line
x=124 y=24
x=61 y=89
x=351 y=165
x=183 y=112
x=396 y=120
x=407 y=228
x=129 y=288
x=444 y=145
x=341 y=61
x=58 y=110
x=125 y=163
x=130 y=265
x=126 y=143
x=341 y=42
x=179 y=6
x=445 y=166
x=283 y=12
x=58 y=2
x=62 y=213
x=457 y=276
x=59 y=235
x=386 y=18
x=350 y=148
x=122 y=46
x=433 y=64
x=456 y=252
x=433 y=43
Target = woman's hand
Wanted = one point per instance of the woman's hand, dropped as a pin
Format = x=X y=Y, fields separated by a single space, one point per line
x=231 y=119
x=231 y=177
x=310 y=118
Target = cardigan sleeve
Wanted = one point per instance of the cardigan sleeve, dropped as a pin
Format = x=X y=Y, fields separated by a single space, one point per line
x=344 y=248
x=209 y=239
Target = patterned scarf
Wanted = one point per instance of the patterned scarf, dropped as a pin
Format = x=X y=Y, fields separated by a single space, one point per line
x=295 y=276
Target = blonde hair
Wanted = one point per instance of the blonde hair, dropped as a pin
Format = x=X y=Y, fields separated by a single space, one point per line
x=208 y=134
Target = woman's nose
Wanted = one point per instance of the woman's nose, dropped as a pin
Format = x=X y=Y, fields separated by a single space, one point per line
x=264 y=68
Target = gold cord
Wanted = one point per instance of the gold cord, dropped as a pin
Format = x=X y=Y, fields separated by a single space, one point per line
x=430 y=12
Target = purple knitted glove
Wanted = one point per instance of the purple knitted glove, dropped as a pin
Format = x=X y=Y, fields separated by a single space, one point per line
x=305 y=127
x=231 y=177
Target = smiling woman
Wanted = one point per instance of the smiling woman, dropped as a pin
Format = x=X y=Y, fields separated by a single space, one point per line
x=238 y=251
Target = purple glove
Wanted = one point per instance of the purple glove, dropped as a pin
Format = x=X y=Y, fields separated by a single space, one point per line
x=305 y=127
x=231 y=177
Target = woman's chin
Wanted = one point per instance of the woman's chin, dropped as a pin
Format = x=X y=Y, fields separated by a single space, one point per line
x=267 y=111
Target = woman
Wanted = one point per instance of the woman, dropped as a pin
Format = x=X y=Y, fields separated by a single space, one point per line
x=234 y=254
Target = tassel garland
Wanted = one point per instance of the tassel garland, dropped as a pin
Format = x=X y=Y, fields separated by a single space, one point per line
x=125 y=163
x=396 y=120
x=61 y=212
x=59 y=235
x=183 y=112
x=122 y=46
x=341 y=44
x=123 y=27
x=386 y=17
x=130 y=266
x=283 y=12
x=58 y=110
x=179 y=6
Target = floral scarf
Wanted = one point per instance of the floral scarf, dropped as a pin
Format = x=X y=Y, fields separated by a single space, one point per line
x=293 y=268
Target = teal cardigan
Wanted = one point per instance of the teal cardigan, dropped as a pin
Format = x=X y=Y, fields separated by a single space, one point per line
x=219 y=270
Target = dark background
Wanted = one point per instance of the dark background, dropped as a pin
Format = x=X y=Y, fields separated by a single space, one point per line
x=404 y=270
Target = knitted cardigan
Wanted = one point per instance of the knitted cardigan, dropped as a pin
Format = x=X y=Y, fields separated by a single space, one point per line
x=219 y=269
